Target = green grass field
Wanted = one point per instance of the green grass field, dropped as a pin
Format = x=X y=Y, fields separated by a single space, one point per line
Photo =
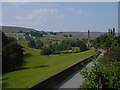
x=13 y=35
x=38 y=67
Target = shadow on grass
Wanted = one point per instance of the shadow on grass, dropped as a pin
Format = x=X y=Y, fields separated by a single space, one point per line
x=41 y=66
x=27 y=55
x=4 y=84
x=3 y=79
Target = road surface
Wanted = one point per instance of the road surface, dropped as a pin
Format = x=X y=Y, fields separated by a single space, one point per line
x=75 y=80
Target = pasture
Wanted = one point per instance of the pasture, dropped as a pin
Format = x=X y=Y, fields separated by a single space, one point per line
x=37 y=67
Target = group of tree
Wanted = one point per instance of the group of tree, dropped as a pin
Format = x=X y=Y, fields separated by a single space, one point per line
x=70 y=35
x=107 y=40
x=35 y=34
x=64 y=45
x=43 y=32
x=53 y=33
x=12 y=54
x=38 y=44
x=105 y=73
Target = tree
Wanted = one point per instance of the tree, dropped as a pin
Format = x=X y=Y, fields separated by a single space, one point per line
x=65 y=35
x=105 y=41
x=113 y=31
x=46 y=51
x=51 y=33
x=36 y=34
x=54 y=33
x=83 y=47
x=4 y=39
x=39 y=44
x=43 y=32
x=12 y=54
x=20 y=31
x=31 y=43
x=105 y=71
x=70 y=35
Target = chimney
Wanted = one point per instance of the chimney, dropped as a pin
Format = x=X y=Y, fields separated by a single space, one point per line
x=88 y=38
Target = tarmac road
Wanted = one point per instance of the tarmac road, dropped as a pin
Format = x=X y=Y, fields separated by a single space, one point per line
x=75 y=80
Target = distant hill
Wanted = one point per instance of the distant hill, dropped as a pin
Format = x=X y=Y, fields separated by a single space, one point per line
x=10 y=29
x=85 y=34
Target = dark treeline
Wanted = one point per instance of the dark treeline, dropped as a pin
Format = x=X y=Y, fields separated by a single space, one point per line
x=105 y=73
x=34 y=33
x=35 y=44
x=107 y=40
x=57 y=48
x=12 y=54
x=62 y=46
x=53 y=33
x=70 y=35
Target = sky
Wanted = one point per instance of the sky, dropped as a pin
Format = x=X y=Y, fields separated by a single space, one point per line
x=61 y=16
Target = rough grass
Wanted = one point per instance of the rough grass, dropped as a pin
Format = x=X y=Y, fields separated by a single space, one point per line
x=37 y=67
x=14 y=35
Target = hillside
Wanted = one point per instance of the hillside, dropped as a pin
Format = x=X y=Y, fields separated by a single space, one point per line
x=10 y=29
x=84 y=34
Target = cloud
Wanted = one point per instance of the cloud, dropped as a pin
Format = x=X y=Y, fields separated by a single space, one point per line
x=38 y=17
x=79 y=11
x=70 y=9
x=30 y=24
x=44 y=11
x=23 y=15
x=60 y=16
x=39 y=13
x=22 y=4
x=42 y=14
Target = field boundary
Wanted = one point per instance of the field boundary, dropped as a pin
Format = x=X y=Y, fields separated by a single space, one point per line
x=56 y=79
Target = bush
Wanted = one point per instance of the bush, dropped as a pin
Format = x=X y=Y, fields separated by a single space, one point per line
x=39 y=44
x=70 y=35
x=107 y=69
x=65 y=35
x=46 y=51
x=83 y=47
x=31 y=43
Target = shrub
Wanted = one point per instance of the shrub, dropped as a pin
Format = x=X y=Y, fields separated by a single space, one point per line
x=105 y=71
x=39 y=44
x=31 y=43
x=46 y=51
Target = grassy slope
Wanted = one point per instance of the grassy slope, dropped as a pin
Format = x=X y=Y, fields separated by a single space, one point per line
x=13 y=35
x=40 y=67
x=9 y=29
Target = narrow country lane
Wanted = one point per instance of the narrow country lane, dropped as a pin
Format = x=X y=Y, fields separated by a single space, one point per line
x=76 y=80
